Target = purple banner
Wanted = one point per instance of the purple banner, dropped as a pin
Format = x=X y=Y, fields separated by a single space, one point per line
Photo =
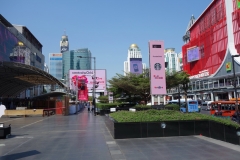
x=157 y=67
x=136 y=65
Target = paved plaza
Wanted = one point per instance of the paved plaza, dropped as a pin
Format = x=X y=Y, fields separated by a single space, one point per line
x=85 y=136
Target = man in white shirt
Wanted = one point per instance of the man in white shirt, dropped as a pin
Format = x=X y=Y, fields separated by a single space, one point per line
x=2 y=109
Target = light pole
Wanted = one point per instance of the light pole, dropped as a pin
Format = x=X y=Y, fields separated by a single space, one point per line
x=234 y=79
x=94 y=83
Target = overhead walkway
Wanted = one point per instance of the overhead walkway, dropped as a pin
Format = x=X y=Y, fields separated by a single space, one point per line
x=17 y=77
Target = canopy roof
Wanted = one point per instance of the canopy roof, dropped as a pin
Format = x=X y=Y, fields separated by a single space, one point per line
x=17 y=77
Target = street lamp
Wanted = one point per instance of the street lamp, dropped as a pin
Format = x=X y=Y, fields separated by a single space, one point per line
x=94 y=83
x=234 y=79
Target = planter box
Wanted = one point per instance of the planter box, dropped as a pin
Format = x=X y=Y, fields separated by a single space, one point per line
x=4 y=132
x=173 y=128
x=102 y=112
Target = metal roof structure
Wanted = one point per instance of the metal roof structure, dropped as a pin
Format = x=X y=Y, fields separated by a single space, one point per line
x=17 y=77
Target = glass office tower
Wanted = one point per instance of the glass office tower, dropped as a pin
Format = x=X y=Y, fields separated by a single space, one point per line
x=71 y=61
x=55 y=65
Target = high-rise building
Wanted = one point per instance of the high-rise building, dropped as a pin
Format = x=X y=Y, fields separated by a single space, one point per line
x=55 y=65
x=134 y=61
x=71 y=61
x=64 y=44
x=172 y=59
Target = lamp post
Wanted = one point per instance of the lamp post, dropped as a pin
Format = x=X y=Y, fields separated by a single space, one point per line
x=94 y=83
x=234 y=79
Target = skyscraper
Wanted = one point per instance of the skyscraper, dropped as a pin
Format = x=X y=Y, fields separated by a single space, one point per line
x=172 y=58
x=55 y=65
x=71 y=61
x=134 y=61
x=64 y=44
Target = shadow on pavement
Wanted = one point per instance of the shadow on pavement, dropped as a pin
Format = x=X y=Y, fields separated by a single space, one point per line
x=20 y=155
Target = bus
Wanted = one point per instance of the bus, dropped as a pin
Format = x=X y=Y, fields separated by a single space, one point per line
x=192 y=105
x=223 y=108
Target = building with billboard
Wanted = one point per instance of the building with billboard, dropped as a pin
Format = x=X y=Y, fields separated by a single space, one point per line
x=211 y=50
x=71 y=61
x=18 y=44
x=64 y=44
x=55 y=65
x=82 y=81
x=134 y=61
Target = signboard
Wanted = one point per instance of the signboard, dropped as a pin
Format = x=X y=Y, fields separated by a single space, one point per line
x=110 y=96
x=136 y=65
x=89 y=74
x=228 y=66
x=64 y=49
x=157 y=67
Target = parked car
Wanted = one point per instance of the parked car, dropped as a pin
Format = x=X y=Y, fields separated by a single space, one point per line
x=206 y=105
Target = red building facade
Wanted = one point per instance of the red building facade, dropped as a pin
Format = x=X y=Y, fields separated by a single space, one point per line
x=216 y=33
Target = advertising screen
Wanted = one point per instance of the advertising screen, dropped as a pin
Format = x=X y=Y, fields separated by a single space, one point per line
x=157 y=68
x=88 y=75
x=11 y=49
x=193 y=54
x=136 y=65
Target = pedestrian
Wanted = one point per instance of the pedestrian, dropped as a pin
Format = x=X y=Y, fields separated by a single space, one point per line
x=92 y=108
x=88 y=106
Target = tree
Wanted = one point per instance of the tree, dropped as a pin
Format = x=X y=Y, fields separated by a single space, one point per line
x=133 y=86
x=178 y=79
x=103 y=99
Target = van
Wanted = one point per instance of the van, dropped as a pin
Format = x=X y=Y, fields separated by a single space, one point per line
x=206 y=105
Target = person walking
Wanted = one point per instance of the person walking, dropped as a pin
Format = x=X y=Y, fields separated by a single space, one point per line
x=92 y=108
x=88 y=106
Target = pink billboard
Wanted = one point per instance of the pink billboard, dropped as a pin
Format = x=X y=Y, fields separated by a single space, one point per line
x=89 y=75
x=157 y=68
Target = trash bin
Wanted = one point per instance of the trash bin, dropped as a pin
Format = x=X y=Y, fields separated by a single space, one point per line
x=4 y=131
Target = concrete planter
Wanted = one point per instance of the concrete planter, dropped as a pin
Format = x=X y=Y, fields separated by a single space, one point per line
x=173 y=128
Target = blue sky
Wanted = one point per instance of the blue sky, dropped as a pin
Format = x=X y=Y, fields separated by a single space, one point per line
x=106 y=27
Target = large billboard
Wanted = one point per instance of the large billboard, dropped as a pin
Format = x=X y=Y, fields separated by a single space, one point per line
x=193 y=54
x=89 y=75
x=157 y=68
x=136 y=65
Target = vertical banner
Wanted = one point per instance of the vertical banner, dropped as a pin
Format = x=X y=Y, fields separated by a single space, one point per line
x=110 y=97
x=157 y=68
x=136 y=65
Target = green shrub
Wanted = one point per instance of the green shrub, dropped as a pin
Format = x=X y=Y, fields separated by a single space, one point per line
x=174 y=106
x=153 y=115
x=142 y=107
x=107 y=105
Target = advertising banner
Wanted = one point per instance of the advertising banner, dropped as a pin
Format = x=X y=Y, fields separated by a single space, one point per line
x=136 y=65
x=89 y=74
x=193 y=54
x=157 y=68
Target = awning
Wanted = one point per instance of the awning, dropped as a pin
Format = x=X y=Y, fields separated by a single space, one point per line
x=17 y=77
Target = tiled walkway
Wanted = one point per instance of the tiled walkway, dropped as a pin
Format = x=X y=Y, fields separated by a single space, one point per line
x=85 y=136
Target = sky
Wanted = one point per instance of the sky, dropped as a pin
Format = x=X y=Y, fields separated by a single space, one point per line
x=106 y=27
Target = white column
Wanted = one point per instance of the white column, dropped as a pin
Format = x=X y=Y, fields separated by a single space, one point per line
x=212 y=96
x=158 y=99
x=152 y=101
x=229 y=95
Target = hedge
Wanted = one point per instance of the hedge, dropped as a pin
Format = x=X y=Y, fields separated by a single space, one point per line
x=153 y=115
x=107 y=105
